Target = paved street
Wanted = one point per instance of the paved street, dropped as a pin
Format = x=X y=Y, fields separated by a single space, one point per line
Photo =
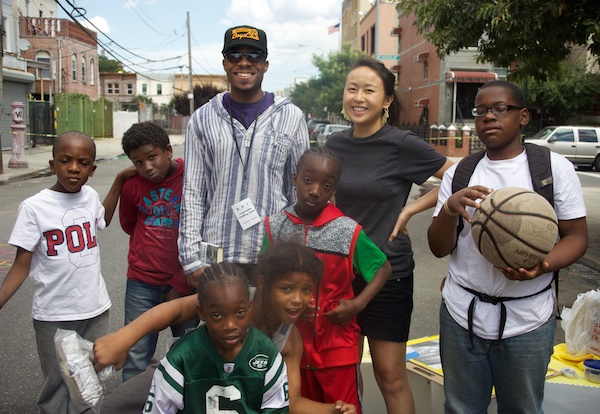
x=20 y=375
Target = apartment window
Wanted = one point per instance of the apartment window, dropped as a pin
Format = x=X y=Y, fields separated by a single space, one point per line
x=159 y=88
x=144 y=89
x=74 y=66
x=372 y=40
x=363 y=43
x=10 y=44
x=43 y=57
x=129 y=89
x=109 y=88
x=92 y=71
x=425 y=70
x=83 y=70
x=117 y=91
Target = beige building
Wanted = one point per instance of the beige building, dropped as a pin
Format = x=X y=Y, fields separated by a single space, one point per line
x=376 y=33
x=181 y=82
x=352 y=12
x=119 y=88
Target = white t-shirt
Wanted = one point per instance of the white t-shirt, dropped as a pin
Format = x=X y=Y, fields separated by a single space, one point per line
x=60 y=230
x=470 y=269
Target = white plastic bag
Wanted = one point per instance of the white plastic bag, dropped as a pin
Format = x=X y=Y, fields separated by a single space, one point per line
x=581 y=324
x=86 y=387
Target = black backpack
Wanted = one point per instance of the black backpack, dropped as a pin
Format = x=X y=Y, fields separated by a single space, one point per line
x=540 y=168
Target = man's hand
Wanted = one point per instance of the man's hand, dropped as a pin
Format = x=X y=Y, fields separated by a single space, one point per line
x=193 y=278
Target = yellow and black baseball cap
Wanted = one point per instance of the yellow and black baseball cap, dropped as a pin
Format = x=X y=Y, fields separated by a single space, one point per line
x=245 y=36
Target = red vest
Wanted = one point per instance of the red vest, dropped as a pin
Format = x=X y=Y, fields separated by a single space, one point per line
x=333 y=237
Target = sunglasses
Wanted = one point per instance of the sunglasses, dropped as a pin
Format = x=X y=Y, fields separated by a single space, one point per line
x=253 y=56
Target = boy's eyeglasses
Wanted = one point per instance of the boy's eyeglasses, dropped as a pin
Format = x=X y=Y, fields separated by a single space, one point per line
x=496 y=109
x=253 y=56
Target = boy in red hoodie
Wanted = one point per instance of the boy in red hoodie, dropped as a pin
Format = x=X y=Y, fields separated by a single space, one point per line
x=149 y=213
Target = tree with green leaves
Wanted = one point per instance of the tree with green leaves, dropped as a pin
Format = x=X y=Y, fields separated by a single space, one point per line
x=573 y=92
x=534 y=35
x=202 y=94
x=109 y=65
x=327 y=89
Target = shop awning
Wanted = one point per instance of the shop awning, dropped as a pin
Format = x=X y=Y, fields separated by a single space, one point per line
x=422 y=103
x=421 y=57
x=396 y=31
x=470 y=77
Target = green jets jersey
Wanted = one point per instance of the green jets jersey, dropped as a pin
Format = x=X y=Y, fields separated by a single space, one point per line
x=194 y=378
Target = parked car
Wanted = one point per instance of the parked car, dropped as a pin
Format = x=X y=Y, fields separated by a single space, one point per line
x=312 y=127
x=328 y=130
x=313 y=136
x=579 y=144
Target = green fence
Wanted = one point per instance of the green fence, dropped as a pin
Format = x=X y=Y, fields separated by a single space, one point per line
x=77 y=112
x=41 y=123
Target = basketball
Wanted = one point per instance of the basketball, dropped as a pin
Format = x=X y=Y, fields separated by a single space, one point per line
x=514 y=227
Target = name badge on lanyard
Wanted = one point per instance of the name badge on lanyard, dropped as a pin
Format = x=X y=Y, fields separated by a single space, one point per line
x=246 y=214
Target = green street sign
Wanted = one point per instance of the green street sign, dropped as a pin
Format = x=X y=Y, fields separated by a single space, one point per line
x=389 y=57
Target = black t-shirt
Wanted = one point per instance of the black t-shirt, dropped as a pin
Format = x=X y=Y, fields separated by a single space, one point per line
x=377 y=176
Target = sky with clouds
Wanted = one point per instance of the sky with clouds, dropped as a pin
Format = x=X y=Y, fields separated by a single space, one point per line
x=155 y=30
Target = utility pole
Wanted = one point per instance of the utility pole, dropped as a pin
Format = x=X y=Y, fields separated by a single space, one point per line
x=190 y=83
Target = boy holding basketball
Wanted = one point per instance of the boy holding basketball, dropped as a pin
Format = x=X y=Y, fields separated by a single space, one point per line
x=497 y=325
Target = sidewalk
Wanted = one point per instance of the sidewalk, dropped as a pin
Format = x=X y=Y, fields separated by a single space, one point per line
x=38 y=157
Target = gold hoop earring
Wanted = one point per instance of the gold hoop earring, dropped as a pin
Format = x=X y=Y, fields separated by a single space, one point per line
x=344 y=114
x=386 y=115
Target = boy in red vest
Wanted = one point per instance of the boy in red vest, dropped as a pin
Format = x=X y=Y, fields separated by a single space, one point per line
x=331 y=352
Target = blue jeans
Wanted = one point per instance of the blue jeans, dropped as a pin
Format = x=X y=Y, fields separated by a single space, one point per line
x=139 y=297
x=517 y=370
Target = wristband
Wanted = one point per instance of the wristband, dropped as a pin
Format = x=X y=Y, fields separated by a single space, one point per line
x=448 y=211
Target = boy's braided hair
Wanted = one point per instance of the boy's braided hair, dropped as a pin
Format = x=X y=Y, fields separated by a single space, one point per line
x=320 y=152
x=220 y=274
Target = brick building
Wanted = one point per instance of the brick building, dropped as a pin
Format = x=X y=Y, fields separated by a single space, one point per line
x=63 y=56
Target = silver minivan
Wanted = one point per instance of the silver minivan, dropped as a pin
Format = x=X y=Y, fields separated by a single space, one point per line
x=579 y=144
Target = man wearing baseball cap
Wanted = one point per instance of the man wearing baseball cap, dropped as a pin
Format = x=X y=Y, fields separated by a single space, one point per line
x=241 y=151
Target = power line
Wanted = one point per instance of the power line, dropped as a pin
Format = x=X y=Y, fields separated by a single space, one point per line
x=134 y=7
x=78 y=9
x=202 y=53
x=105 y=47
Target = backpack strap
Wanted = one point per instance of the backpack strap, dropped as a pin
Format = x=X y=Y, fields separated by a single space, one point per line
x=540 y=168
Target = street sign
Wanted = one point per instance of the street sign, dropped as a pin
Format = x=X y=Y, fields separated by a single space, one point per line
x=389 y=57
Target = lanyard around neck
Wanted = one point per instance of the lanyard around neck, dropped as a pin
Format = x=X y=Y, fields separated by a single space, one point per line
x=237 y=145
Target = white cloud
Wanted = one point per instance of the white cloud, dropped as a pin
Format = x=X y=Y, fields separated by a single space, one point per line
x=98 y=21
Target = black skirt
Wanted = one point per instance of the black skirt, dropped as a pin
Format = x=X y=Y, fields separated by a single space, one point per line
x=387 y=316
